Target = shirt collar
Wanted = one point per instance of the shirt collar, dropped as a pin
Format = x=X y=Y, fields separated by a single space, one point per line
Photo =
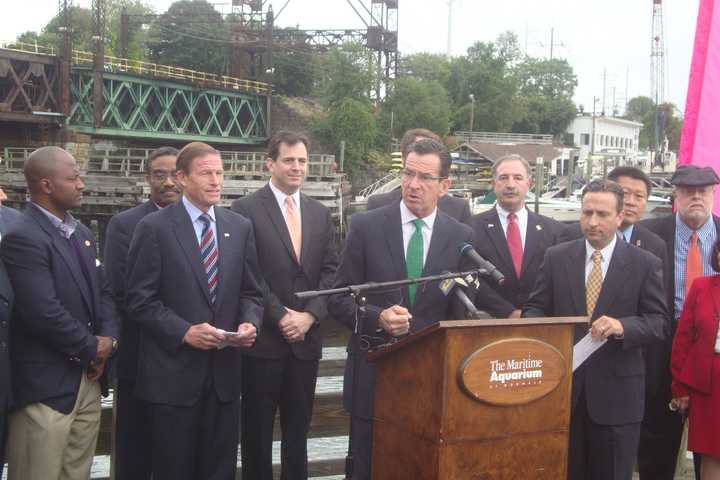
x=605 y=252
x=195 y=212
x=407 y=216
x=503 y=214
x=66 y=227
x=280 y=196
x=705 y=233
x=627 y=233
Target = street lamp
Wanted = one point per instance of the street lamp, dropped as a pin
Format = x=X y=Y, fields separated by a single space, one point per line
x=472 y=111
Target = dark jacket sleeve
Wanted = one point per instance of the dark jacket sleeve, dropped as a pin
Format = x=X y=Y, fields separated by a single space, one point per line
x=540 y=302
x=318 y=306
x=143 y=290
x=650 y=325
x=252 y=290
x=117 y=244
x=109 y=319
x=351 y=271
x=28 y=264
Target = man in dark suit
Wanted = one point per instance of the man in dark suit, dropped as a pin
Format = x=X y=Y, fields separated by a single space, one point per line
x=132 y=426
x=689 y=236
x=619 y=287
x=513 y=238
x=194 y=290
x=296 y=249
x=6 y=306
x=457 y=208
x=64 y=326
x=399 y=241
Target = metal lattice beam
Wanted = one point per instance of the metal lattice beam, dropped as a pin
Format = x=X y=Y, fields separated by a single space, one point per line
x=137 y=107
x=27 y=84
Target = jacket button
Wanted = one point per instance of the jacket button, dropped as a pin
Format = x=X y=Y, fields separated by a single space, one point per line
x=6 y=303
x=3 y=324
x=3 y=344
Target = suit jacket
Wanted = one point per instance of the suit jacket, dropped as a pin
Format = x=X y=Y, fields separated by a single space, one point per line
x=613 y=378
x=664 y=227
x=641 y=237
x=58 y=313
x=374 y=252
x=490 y=242
x=457 y=208
x=167 y=293
x=8 y=217
x=6 y=306
x=284 y=275
x=117 y=243
x=693 y=349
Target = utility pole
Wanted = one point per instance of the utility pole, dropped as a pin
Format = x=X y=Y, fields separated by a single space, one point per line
x=604 y=91
x=552 y=45
x=472 y=112
x=98 y=12
x=588 y=163
x=65 y=55
x=449 y=27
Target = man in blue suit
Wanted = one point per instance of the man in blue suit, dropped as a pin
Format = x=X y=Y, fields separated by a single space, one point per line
x=63 y=329
x=132 y=427
x=6 y=306
x=8 y=216
x=195 y=291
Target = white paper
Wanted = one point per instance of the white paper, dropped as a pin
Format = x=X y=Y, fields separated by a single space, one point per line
x=584 y=348
x=225 y=342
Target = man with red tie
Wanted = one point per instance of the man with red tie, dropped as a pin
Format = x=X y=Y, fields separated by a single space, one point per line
x=513 y=238
x=690 y=234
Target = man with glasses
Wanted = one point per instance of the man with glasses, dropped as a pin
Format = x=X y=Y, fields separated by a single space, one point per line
x=689 y=234
x=457 y=208
x=132 y=433
x=402 y=240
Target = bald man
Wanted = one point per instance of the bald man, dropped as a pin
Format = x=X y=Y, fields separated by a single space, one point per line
x=64 y=326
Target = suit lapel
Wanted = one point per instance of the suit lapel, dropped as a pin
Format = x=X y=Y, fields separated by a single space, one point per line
x=532 y=239
x=185 y=234
x=272 y=208
x=88 y=253
x=225 y=262
x=438 y=243
x=618 y=270
x=306 y=227
x=62 y=245
x=575 y=268
x=497 y=236
x=394 y=240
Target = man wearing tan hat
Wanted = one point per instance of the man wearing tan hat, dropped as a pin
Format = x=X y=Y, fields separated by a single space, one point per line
x=689 y=234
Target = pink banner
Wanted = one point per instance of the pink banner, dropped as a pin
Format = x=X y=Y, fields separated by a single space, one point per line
x=700 y=143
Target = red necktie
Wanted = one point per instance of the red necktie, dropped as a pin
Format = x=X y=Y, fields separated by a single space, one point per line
x=693 y=264
x=515 y=243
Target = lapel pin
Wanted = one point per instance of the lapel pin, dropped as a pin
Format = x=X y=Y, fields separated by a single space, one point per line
x=87 y=243
x=538 y=227
x=226 y=235
x=98 y=263
x=491 y=225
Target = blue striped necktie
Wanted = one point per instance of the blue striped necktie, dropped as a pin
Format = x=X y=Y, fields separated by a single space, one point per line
x=209 y=254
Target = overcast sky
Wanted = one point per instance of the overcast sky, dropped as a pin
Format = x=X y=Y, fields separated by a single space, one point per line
x=593 y=35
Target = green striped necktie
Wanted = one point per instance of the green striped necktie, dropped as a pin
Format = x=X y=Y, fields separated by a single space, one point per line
x=414 y=257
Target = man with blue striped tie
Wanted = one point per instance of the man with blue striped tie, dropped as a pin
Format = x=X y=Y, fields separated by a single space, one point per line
x=194 y=288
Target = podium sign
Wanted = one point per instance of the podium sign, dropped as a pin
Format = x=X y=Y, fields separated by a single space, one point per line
x=476 y=399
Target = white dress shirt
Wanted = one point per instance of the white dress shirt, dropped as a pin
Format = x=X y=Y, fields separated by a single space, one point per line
x=522 y=221
x=606 y=254
x=198 y=224
x=281 y=196
x=408 y=228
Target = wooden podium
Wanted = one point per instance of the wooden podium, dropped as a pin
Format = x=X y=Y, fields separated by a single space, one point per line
x=476 y=399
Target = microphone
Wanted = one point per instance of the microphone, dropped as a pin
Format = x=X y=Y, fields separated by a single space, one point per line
x=453 y=285
x=486 y=268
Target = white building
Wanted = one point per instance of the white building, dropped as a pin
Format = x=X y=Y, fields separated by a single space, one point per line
x=616 y=140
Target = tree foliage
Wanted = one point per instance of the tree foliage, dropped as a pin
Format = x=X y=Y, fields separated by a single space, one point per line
x=643 y=110
x=191 y=34
x=415 y=103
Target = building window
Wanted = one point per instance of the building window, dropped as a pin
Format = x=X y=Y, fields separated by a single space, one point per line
x=585 y=138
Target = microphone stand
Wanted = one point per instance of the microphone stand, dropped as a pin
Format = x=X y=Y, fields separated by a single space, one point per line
x=357 y=292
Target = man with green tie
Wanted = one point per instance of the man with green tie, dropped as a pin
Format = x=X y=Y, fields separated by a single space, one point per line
x=402 y=240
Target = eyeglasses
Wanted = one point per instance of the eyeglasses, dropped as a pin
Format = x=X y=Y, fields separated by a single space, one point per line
x=408 y=175
x=162 y=175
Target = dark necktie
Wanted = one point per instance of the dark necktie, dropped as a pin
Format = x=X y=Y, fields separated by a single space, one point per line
x=515 y=243
x=209 y=255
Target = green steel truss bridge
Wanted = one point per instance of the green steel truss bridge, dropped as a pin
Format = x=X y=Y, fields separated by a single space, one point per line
x=138 y=100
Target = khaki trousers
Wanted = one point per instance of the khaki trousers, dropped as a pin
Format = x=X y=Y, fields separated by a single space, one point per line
x=44 y=444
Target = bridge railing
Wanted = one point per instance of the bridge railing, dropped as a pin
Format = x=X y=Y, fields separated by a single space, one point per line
x=125 y=65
